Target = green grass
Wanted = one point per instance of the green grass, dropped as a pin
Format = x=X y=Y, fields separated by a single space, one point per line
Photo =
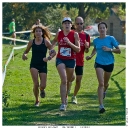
x=21 y=110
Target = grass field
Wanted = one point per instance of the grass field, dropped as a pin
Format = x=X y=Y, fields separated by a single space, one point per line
x=22 y=112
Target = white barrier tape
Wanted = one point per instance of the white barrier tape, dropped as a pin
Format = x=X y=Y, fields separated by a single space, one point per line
x=11 y=54
x=25 y=32
x=18 y=32
x=20 y=47
x=122 y=46
x=3 y=75
x=53 y=33
x=15 y=39
x=9 y=58
x=31 y=31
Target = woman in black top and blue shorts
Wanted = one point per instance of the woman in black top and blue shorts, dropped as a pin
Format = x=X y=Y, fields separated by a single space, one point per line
x=104 y=47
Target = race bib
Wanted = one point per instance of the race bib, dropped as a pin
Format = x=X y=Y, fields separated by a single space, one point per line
x=65 y=51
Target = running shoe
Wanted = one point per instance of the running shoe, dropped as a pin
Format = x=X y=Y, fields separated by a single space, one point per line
x=63 y=107
x=102 y=110
x=42 y=93
x=74 y=100
x=37 y=104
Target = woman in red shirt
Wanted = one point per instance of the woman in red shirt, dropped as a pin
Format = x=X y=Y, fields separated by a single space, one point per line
x=68 y=45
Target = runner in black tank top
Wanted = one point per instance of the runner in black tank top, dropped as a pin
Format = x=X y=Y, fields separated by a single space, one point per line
x=38 y=53
x=38 y=64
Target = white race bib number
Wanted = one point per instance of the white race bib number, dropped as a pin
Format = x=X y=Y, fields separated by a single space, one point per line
x=65 y=51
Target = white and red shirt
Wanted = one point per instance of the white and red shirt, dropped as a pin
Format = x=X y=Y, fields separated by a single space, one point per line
x=64 y=50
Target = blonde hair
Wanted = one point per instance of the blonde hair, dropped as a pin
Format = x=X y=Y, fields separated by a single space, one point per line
x=45 y=30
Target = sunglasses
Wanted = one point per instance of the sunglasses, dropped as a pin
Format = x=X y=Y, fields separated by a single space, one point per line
x=79 y=23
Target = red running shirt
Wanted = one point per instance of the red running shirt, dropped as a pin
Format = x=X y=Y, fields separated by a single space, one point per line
x=80 y=55
x=64 y=50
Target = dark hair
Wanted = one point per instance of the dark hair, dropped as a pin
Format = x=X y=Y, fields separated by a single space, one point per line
x=102 y=23
x=73 y=27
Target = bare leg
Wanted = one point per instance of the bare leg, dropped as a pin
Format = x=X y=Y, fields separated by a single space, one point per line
x=34 y=74
x=63 y=86
x=78 y=84
x=69 y=72
x=99 y=73
x=70 y=83
x=43 y=78
x=14 y=36
x=106 y=80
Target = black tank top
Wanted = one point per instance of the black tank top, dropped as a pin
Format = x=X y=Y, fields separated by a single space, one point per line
x=38 y=53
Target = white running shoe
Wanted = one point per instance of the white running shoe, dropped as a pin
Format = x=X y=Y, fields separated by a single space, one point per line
x=74 y=100
x=37 y=104
x=63 y=107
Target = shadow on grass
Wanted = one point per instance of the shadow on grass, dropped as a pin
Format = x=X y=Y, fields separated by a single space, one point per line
x=121 y=90
x=118 y=72
x=83 y=113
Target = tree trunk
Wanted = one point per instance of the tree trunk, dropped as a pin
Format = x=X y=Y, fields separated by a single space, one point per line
x=82 y=11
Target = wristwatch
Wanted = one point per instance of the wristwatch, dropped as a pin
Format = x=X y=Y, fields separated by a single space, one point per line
x=49 y=58
x=111 y=50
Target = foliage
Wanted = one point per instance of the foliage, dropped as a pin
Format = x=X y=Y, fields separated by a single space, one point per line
x=58 y=14
x=5 y=98
x=120 y=12
x=51 y=14
x=84 y=8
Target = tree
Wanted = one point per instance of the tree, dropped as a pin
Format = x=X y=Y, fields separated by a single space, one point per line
x=26 y=14
x=84 y=8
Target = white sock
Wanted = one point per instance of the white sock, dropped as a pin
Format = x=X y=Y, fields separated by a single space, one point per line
x=101 y=106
